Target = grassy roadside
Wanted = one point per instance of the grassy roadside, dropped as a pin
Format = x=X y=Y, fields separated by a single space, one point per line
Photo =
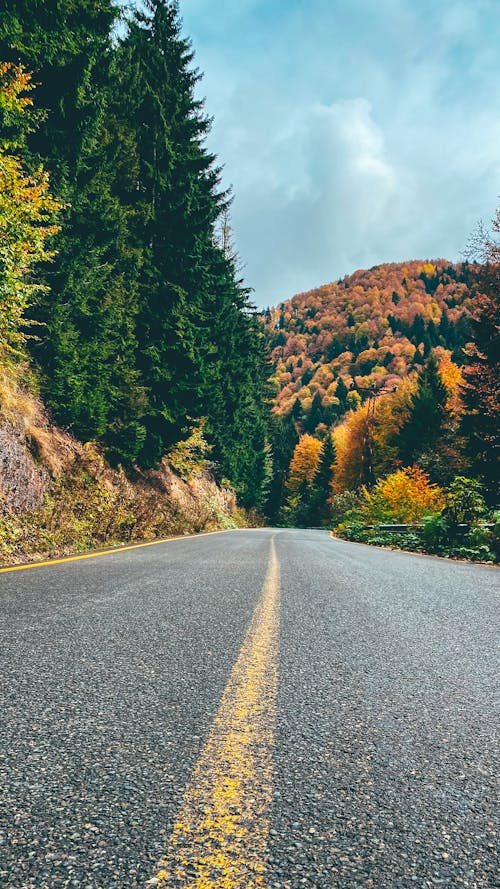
x=477 y=545
x=59 y=496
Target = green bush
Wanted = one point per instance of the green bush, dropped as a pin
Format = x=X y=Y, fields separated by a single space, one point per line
x=495 y=536
x=435 y=535
x=464 y=501
x=480 y=553
x=355 y=531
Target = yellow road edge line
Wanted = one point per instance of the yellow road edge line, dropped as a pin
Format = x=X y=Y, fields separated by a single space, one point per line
x=110 y=552
x=220 y=836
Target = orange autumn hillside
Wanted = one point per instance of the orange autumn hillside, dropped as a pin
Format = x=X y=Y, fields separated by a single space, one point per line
x=369 y=329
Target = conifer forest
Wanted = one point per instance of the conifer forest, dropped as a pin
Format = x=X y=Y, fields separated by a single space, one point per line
x=370 y=402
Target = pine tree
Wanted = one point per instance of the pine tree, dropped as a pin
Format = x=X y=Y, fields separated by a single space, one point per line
x=148 y=329
x=166 y=183
x=427 y=412
x=323 y=481
x=200 y=352
x=316 y=414
x=481 y=390
x=283 y=439
x=341 y=393
x=86 y=347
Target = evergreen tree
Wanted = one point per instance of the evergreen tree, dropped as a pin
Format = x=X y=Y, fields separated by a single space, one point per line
x=147 y=324
x=316 y=415
x=481 y=390
x=421 y=431
x=166 y=182
x=323 y=481
x=444 y=328
x=87 y=345
x=432 y=333
x=341 y=393
x=235 y=396
x=296 y=412
x=417 y=330
x=284 y=438
x=200 y=351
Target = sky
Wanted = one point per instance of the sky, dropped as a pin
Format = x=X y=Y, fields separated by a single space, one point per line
x=352 y=132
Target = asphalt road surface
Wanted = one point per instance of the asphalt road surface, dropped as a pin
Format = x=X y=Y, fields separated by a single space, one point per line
x=264 y=708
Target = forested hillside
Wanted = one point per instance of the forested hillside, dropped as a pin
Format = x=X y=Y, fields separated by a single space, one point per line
x=387 y=398
x=128 y=305
x=371 y=328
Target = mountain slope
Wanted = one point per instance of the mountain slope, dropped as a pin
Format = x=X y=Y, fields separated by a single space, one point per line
x=367 y=330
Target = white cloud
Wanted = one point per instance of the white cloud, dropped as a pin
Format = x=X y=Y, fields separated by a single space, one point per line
x=354 y=133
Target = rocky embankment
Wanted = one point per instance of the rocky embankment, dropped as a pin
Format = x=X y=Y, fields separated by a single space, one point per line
x=58 y=496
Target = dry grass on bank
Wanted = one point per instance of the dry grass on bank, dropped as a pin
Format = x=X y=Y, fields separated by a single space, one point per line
x=58 y=496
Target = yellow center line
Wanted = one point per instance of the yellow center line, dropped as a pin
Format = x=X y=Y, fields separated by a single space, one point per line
x=106 y=552
x=219 y=840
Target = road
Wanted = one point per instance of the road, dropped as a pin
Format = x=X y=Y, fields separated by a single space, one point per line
x=262 y=708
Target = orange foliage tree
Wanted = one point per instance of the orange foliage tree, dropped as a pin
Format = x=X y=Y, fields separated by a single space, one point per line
x=27 y=214
x=367 y=439
x=391 y=412
x=304 y=463
x=452 y=378
x=406 y=496
x=352 y=455
x=300 y=507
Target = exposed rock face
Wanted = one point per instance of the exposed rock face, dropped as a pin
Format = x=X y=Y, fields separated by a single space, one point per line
x=22 y=482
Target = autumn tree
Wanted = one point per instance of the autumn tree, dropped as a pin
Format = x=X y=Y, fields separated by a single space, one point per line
x=352 y=446
x=374 y=326
x=299 y=506
x=392 y=412
x=406 y=495
x=27 y=214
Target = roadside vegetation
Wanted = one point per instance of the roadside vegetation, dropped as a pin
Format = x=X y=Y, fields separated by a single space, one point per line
x=61 y=496
x=455 y=522
x=118 y=282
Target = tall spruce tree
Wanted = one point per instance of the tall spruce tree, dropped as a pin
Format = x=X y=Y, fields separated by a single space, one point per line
x=323 y=480
x=481 y=389
x=199 y=351
x=420 y=433
x=284 y=438
x=168 y=184
x=86 y=349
